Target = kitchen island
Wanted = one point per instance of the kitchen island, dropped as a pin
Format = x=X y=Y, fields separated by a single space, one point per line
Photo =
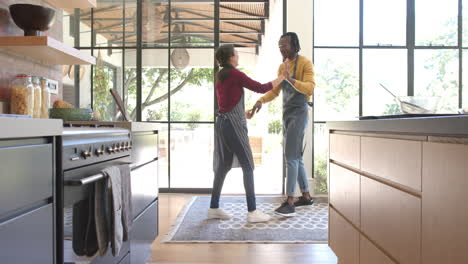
x=398 y=190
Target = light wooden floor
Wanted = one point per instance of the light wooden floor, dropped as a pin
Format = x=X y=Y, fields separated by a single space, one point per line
x=169 y=207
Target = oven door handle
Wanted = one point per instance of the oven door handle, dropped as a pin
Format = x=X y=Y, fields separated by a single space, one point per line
x=88 y=180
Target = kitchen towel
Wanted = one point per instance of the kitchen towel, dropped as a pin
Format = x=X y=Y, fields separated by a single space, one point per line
x=102 y=215
x=108 y=206
x=127 y=217
x=115 y=182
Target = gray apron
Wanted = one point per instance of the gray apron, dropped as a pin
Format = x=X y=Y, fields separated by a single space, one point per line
x=223 y=157
x=295 y=119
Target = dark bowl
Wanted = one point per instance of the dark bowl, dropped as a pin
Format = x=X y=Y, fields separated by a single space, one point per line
x=32 y=18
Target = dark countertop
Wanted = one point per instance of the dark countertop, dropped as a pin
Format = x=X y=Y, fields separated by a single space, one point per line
x=456 y=125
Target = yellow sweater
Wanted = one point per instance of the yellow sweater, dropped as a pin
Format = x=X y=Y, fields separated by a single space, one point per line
x=304 y=83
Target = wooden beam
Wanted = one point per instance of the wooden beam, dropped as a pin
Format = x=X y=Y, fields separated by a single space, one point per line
x=240 y=11
x=244 y=26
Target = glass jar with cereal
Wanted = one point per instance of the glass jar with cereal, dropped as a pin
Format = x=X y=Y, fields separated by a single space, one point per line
x=22 y=102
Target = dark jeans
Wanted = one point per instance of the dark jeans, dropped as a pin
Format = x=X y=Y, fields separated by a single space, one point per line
x=234 y=145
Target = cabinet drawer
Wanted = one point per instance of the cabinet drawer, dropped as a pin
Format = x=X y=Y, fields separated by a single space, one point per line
x=393 y=159
x=28 y=238
x=392 y=219
x=26 y=174
x=144 y=147
x=126 y=260
x=344 y=192
x=370 y=254
x=444 y=203
x=144 y=187
x=344 y=239
x=345 y=149
x=144 y=232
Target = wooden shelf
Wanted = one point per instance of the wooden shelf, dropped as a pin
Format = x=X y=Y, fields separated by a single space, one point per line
x=46 y=49
x=73 y=3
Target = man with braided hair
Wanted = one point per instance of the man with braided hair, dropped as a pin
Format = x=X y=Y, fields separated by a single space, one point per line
x=297 y=90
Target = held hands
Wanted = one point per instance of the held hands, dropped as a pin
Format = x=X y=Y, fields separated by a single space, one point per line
x=277 y=81
x=285 y=71
x=250 y=113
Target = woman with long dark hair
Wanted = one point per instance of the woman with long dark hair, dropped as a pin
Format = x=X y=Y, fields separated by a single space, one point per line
x=232 y=146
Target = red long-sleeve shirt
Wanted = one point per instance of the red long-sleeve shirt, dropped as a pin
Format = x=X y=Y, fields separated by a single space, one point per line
x=230 y=90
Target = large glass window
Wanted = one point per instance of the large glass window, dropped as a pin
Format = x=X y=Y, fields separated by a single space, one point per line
x=436 y=74
x=166 y=75
x=320 y=158
x=155 y=85
x=436 y=22
x=192 y=24
x=109 y=31
x=163 y=157
x=465 y=79
x=192 y=88
x=385 y=67
x=410 y=51
x=337 y=23
x=337 y=84
x=465 y=23
x=191 y=155
x=385 y=22
x=155 y=24
x=112 y=72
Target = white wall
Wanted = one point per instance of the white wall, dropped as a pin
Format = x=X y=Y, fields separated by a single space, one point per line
x=269 y=57
x=299 y=20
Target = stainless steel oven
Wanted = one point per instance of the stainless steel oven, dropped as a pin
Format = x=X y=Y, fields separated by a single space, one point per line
x=84 y=152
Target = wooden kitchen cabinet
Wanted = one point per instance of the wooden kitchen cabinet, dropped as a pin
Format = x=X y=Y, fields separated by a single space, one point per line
x=393 y=159
x=370 y=254
x=413 y=189
x=345 y=149
x=343 y=239
x=345 y=192
x=445 y=203
x=392 y=219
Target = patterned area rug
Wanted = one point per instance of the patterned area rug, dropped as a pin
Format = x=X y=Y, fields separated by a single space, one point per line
x=310 y=225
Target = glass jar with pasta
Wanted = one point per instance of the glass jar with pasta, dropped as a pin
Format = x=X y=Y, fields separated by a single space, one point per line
x=22 y=102
x=37 y=97
x=45 y=98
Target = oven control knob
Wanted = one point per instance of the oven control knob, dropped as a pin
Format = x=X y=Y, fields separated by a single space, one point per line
x=110 y=150
x=99 y=152
x=86 y=154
